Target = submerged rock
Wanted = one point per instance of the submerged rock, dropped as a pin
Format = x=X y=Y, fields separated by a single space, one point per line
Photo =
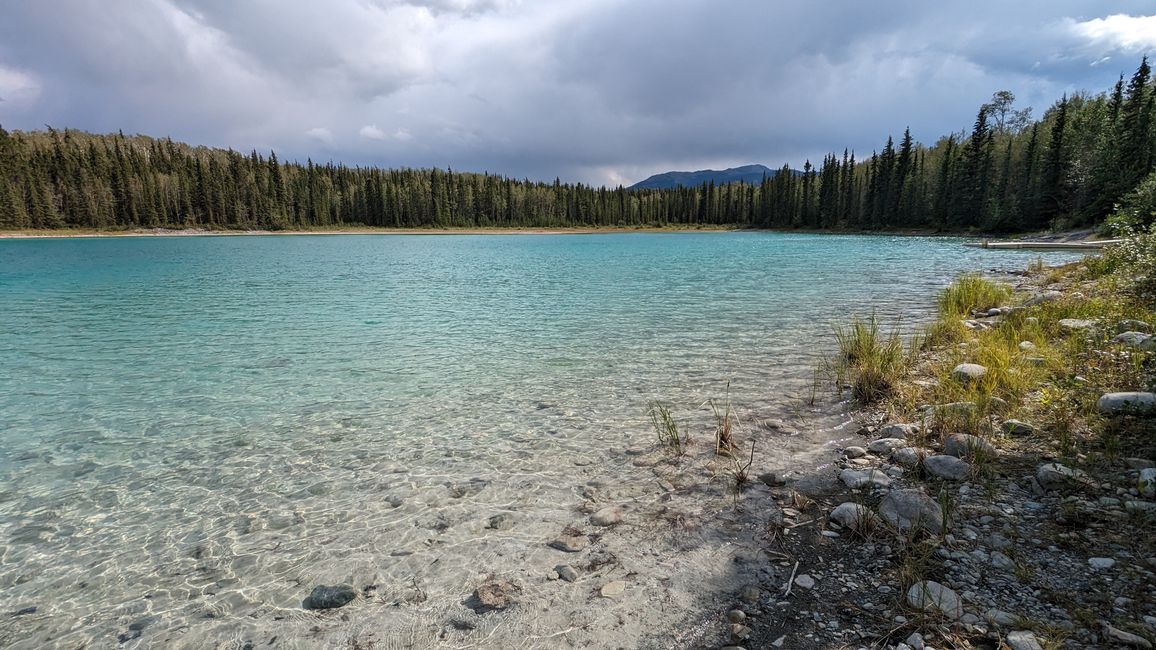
x=607 y=516
x=571 y=543
x=930 y=596
x=566 y=572
x=613 y=589
x=327 y=597
x=908 y=509
x=493 y=595
x=1127 y=403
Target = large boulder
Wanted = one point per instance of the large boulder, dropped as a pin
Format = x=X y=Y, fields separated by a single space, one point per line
x=930 y=596
x=1127 y=403
x=911 y=509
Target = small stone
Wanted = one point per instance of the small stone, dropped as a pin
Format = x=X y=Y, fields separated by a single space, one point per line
x=750 y=594
x=1017 y=428
x=326 y=597
x=1127 y=404
x=566 y=572
x=805 y=581
x=1039 y=299
x=1027 y=346
x=915 y=641
x=1022 y=640
x=740 y=633
x=932 y=596
x=24 y=611
x=907 y=509
x=608 y=516
x=500 y=522
x=968 y=372
x=1133 y=326
x=612 y=589
x=772 y=479
x=854 y=478
x=1002 y=562
x=778 y=643
x=1127 y=638
x=965 y=445
x=1101 y=562
x=1133 y=340
x=898 y=430
x=1054 y=476
x=855 y=516
x=569 y=543
x=1000 y=618
x=1139 y=463
x=884 y=446
x=854 y=452
x=736 y=616
x=909 y=457
x=947 y=467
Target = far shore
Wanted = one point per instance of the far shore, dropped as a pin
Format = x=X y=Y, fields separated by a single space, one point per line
x=67 y=233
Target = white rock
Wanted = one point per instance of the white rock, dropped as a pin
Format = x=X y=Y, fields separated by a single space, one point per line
x=805 y=581
x=855 y=478
x=1027 y=346
x=1127 y=403
x=915 y=641
x=907 y=509
x=1147 y=482
x=1023 y=640
x=1101 y=562
x=968 y=372
x=947 y=467
x=932 y=596
x=612 y=589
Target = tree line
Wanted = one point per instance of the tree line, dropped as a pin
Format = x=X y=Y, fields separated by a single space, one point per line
x=1072 y=167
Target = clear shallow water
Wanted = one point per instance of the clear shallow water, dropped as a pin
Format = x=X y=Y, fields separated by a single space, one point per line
x=195 y=430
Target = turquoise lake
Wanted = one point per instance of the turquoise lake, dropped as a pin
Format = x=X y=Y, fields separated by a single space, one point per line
x=195 y=430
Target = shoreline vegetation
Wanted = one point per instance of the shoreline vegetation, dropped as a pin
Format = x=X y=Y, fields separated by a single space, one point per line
x=1003 y=493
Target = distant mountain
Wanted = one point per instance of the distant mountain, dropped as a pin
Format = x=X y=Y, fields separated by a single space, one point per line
x=746 y=174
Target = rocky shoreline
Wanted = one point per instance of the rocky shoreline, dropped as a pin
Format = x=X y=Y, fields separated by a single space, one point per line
x=932 y=539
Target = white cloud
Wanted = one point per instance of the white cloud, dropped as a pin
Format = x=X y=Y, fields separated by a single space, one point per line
x=1118 y=31
x=321 y=134
x=371 y=132
x=402 y=134
x=17 y=88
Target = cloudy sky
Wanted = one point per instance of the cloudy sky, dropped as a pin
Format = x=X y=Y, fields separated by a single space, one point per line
x=600 y=91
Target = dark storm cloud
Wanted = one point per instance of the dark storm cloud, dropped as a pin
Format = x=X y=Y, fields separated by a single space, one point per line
x=604 y=91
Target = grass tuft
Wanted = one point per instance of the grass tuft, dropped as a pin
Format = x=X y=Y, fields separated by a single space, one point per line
x=870 y=361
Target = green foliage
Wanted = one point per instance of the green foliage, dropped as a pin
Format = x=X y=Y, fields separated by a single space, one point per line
x=970 y=293
x=870 y=361
x=664 y=425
